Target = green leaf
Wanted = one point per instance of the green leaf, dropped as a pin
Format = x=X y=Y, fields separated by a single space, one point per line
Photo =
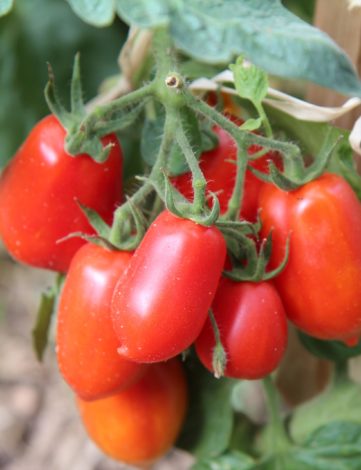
x=208 y=427
x=302 y=8
x=46 y=310
x=145 y=13
x=243 y=433
x=337 y=432
x=250 y=81
x=264 y=32
x=335 y=446
x=152 y=137
x=344 y=164
x=193 y=69
x=96 y=221
x=230 y=461
x=311 y=137
x=251 y=124
x=5 y=6
x=275 y=462
x=331 y=350
x=24 y=53
x=342 y=402
x=94 y=12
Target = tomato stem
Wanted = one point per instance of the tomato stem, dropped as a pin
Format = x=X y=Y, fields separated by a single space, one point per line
x=105 y=111
x=219 y=357
x=265 y=120
x=199 y=182
x=340 y=373
x=279 y=442
x=163 y=52
x=155 y=178
x=243 y=138
x=235 y=202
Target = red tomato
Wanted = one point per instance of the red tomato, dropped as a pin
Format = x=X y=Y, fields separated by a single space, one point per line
x=86 y=342
x=253 y=328
x=219 y=168
x=38 y=193
x=321 y=284
x=161 y=305
x=140 y=424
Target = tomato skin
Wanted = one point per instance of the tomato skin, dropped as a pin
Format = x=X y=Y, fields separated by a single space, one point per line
x=140 y=424
x=321 y=284
x=253 y=328
x=219 y=168
x=38 y=193
x=160 y=307
x=86 y=342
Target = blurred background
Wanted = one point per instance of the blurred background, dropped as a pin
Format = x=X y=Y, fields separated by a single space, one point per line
x=39 y=428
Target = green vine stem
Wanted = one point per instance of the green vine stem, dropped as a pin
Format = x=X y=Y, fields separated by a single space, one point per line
x=279 y=441
x=235 y=202
x=242 y=138
x=155 y=178
x=265 y=121
x=103 y=112
x=340 y=374
x=164 y=53
x=199 y=182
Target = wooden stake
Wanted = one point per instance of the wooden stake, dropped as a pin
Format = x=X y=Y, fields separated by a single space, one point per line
x=344 y=27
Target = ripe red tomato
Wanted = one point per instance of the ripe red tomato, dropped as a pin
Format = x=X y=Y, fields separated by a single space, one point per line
x=321 y=284
x=219 y=168
x=253 y=328
x=86 y=342
x=161 y=305
x=38 y=193
x=140 y=424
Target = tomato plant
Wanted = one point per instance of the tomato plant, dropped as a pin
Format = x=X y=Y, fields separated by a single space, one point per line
x=40 y=190
x=323 y=275
x=219 y=168
x=218 y=165
x=86 y=343
x=162 y=303
x=141 y=423
x=245 y=314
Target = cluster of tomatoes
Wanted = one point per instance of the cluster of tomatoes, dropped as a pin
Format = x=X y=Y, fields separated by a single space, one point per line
x=123 y=317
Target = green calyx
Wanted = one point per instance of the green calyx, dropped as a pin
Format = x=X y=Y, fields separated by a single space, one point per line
x=132 y=226
x=295 y=172
x=84 y=131
x=77 y=140
x=251 y=256
x=191 y=211
x=125 y=235
x=219 y=356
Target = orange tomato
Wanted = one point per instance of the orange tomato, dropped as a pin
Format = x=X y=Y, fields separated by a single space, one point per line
x=140 y=424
